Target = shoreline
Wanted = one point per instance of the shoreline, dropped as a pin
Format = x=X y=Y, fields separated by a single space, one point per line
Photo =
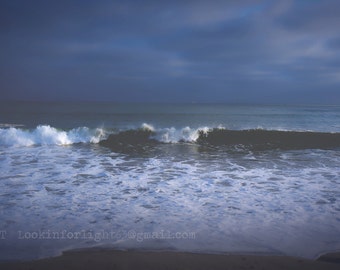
x=101 y=258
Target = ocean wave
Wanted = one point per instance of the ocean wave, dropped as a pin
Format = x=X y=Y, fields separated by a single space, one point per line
x=47 y=135
x=257 y=139
x=147 y=134
x=271 y=139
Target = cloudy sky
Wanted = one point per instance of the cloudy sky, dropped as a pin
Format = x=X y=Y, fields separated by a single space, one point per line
x=235 y=51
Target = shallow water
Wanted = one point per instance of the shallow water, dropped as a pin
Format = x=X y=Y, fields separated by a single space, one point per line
x=60 y=191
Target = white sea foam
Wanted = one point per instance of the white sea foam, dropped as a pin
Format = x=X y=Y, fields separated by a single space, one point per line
x=272 y=199
x=173 y=135
x=281 y=201
x=146 y=126
x=47 y=135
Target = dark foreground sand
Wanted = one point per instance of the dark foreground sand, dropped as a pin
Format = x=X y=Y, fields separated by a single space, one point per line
x=111 y=259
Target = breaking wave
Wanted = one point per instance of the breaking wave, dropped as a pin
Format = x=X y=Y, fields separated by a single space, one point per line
x=11 y=135
x=146 y=134
x=47 y=135
x=257 y=139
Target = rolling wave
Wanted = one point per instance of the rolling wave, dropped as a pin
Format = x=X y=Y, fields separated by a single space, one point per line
x=271 y=139
x=12 y=135
x=47 y=135
x=256 y=139
x=147 y=135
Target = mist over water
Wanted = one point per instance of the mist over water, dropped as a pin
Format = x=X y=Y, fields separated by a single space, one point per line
x=56 y=178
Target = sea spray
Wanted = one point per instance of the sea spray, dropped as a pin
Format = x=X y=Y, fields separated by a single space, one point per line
x=47 y=135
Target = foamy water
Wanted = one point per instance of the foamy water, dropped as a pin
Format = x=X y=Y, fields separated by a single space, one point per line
x=60 y=190
x=47 y=135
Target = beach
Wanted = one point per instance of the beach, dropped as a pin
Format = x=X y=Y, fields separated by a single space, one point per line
x=169 y=134
x=113 y=259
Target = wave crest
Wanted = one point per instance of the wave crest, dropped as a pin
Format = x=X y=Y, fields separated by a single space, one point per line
x=146 y=134
x=172 y=134
x=47 y=135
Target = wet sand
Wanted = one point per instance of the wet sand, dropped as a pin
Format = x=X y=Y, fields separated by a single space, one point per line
x=113 y=259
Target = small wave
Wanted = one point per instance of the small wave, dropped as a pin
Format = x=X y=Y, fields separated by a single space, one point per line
x=47 y=135
x=147 y=134
x=170 y=135
x=271 y=139
x=259 y=139
x=173 y=135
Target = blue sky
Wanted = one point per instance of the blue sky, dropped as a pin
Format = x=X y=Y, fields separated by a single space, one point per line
x=171 y=51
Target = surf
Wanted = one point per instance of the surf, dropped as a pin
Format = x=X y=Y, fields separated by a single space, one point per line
x=148 y=135
x=47 y=135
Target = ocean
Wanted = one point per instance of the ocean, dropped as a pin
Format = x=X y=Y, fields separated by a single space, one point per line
x=208 y=178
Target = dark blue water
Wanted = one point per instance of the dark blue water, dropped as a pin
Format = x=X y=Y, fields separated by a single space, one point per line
x=92 y=115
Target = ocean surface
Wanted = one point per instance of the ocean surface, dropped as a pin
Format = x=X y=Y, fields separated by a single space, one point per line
x=189 y=177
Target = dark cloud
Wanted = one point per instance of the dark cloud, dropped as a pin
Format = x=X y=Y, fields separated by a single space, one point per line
x=176 y=51
x=334 y=43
